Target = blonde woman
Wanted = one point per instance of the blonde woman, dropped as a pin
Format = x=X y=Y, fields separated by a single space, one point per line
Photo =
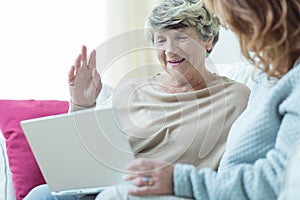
x=263 y=137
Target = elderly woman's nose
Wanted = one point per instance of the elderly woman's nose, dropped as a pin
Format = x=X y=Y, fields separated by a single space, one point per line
x=170 y=47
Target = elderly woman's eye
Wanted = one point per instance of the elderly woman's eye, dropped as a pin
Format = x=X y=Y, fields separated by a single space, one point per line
x=159 y=41
x=182 y=37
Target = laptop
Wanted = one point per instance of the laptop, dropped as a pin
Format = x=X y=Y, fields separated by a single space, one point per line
x=82 y=152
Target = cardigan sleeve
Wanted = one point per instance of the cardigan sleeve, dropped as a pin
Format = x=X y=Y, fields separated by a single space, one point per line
x=261 y=179
x=245 y=181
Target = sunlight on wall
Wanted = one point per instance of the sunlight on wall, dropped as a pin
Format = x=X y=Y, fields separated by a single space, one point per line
x=126 y=21
x=39 y=42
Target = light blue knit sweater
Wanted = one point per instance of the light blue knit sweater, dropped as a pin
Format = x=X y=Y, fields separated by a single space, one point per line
x=258 y=147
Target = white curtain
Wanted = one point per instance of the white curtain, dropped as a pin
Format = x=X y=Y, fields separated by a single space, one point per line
x=124 y=52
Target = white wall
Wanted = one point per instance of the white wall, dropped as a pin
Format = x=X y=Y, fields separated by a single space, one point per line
x=40 y=39
x=227 y=50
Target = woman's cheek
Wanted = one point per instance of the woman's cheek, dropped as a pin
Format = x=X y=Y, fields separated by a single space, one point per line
x=162 y=57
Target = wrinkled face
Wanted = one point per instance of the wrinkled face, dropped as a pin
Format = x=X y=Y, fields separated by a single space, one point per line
x=180 y=51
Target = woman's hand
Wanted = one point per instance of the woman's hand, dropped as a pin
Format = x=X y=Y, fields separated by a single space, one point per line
x=84 y=80
x=151 y=177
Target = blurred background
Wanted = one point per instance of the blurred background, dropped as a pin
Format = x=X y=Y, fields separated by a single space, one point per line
x=40 y=40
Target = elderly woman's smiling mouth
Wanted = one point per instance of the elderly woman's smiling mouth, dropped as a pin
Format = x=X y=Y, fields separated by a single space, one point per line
x=176 y=62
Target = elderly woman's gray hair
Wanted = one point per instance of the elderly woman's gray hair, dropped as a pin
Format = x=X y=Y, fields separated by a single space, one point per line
x=172 y=14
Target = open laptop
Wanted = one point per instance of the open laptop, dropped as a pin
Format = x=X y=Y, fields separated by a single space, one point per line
x=81 y=152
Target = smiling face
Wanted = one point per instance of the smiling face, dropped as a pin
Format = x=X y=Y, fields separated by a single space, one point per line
x=180 y=51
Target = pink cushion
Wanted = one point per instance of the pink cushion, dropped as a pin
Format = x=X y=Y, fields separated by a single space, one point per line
x=25 y=171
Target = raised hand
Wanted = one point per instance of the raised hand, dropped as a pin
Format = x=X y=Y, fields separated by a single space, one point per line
x=151 y=177
x=84 y=80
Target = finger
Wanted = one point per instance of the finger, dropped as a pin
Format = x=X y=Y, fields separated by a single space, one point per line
x=130 y=177
x=83 y=58
x=142 y=191
x=139 y=181
x=92 y=60
x=71 y=75
x=83 y=52
x=97 y=80
x=77 y=63
x=140 y=165
x=136 y=164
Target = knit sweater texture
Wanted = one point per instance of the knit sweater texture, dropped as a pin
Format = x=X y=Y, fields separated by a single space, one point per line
x=258 y=146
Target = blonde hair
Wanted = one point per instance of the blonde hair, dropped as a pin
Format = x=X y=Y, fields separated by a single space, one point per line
x=268 y=31
x=171 y=14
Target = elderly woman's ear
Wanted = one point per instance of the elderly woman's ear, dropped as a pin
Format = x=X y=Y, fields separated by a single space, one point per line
x=209 y=44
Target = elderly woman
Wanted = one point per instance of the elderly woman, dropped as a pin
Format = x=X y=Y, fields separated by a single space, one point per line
x=182 y=115
x=262 y=140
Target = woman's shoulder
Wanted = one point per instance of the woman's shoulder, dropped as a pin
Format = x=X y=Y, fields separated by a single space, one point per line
x=294 y=73
x=288 y=87
x=234 y=90
x=290 y=80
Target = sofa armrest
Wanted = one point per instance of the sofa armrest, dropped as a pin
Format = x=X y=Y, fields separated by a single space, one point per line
x=6 y=185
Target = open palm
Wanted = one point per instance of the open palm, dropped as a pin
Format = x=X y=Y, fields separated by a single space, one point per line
x=84 y=80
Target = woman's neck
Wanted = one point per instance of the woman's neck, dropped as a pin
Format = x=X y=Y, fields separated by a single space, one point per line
x=181 y=84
